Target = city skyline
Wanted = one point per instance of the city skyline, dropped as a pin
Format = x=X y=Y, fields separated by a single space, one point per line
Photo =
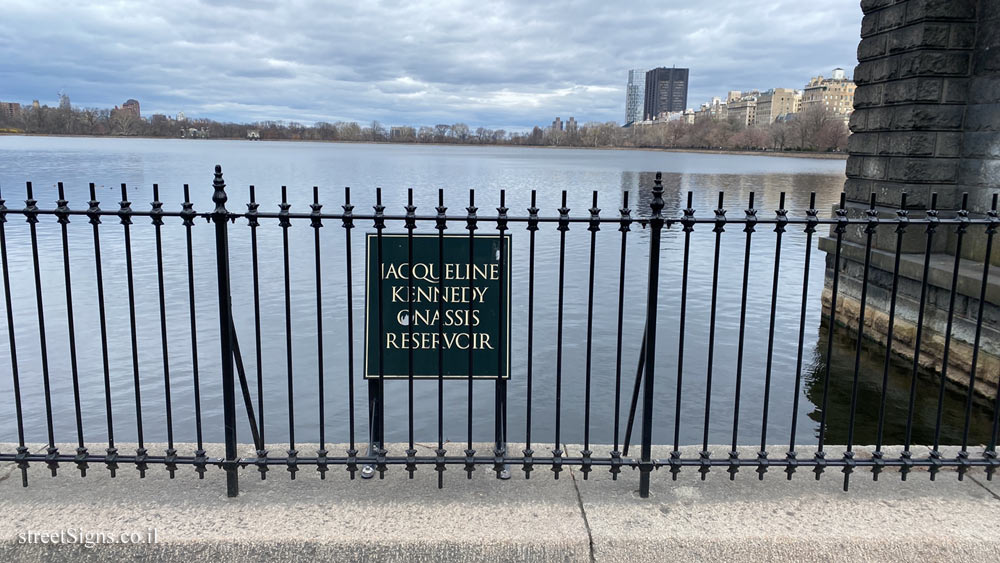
x=507 y=65
x=635 y=104
x=654 y=96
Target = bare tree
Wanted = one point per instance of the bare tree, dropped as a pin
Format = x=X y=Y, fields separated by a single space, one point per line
x=124 y=123
x=88 y=119
x=349 y=131
x=778 y=132
x=832 y=135
x=808 y=124
x=460 y=132
x=377 y=131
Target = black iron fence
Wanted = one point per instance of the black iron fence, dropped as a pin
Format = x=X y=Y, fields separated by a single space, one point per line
x=629 y=397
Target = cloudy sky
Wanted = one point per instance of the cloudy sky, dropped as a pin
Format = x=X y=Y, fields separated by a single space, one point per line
x=496 y=64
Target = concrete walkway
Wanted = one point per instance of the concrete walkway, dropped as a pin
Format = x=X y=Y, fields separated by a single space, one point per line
x=484 y=519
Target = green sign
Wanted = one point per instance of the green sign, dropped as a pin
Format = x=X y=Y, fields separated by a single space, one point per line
x=456 y=306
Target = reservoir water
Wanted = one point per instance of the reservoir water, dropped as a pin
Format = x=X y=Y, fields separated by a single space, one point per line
x=395 y=168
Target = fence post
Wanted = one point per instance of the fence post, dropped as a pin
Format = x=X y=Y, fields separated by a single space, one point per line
x=221 y=216
x=652 y=290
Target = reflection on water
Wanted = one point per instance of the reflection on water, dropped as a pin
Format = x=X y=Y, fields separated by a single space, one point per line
x=897 y=399
x=268 y=165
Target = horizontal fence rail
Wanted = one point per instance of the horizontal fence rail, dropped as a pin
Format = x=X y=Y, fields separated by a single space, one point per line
x=634 y=405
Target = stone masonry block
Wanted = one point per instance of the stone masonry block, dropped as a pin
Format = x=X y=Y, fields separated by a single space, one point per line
x=940 y=63
x=955 y=90
x=863 y=73
x=854 y=164
x=880 y=118
x=948 y=144
x=918 y=36
x=922 y=117
x=991 y=173
x=863 y=143
x=912 y=90
x=986 y=59
x=987 y=37
x=858 y=120
x=871 y=47
x=888 y=193
x=884 y=69
x=895 y=92
x=869 y=24
x=936 y=34
x=923 y=170
x=870 y=95
x=948 y=197
x=874 y=168
x=871 y=5
x=963 y=36
x=860 y=190
x=892 y=17
x=981 y=117
x=985 y=89
x=906 y=143
x=857 y=189
x=981 y=144
x=980 y=172
x=941 y=9
x=917 y=195
x=928 y=90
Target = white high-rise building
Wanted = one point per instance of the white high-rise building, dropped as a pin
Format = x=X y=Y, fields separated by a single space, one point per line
x=635 y=92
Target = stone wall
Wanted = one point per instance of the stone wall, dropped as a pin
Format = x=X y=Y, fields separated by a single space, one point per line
x=926 y=120
x=979 y=167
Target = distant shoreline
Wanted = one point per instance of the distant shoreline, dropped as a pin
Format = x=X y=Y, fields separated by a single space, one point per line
x=790 y=154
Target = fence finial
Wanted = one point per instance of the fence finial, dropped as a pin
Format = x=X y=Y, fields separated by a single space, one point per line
x=219 y=197
x=657 y=204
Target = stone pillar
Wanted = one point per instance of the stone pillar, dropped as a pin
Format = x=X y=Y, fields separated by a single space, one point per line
x=979 y=167
x=926 y=120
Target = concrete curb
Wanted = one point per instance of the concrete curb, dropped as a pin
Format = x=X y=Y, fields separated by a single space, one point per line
x=484 y=519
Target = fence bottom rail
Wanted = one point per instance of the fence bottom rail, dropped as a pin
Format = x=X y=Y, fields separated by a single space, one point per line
x=987 y=460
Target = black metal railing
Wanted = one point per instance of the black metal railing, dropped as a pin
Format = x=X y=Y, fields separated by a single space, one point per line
x=376 y=458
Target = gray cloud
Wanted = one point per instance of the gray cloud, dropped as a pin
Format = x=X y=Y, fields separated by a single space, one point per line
x=508 y=64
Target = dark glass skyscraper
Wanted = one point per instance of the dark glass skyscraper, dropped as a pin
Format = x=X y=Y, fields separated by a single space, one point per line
x=666 y=91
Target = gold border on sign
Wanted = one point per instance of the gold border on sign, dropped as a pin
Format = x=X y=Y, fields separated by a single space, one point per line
x=368 y=237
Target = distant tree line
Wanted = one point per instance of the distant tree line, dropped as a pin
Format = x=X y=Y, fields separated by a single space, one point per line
x=812 y=130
